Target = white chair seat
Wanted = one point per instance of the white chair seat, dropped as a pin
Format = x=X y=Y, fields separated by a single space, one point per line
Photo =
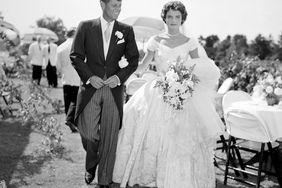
x=149 y=75
x=256 y=146
x=134 y=84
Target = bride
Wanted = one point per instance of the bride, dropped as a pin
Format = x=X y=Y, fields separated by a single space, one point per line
x=162 y=147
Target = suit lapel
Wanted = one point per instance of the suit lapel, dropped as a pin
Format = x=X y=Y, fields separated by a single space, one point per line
x=98 y=33
x=112 y=41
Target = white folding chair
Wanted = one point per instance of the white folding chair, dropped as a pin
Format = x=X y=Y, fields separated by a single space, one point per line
x=224 y=103
x=133 y=85
x=131 y=77
x=225 y=86
x=149 y=75
x=234 y=96
x=229 y=97
x=252 y=134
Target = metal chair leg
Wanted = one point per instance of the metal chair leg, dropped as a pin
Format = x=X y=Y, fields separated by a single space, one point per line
x=241 y=163
x=260 y=164
x=227 y=160
x=6 y=102
x=274 y=161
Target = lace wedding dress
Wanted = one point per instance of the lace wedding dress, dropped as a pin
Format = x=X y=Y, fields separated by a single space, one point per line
x=161 y=147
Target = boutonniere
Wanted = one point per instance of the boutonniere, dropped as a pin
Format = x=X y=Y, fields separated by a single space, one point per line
x=123 y=62
x=119 y=36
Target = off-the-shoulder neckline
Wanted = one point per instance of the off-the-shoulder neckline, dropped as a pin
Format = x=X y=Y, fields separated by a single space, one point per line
x=172 y=47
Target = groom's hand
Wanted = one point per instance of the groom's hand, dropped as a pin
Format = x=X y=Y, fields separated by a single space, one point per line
x=96 y=82
x=112 y=81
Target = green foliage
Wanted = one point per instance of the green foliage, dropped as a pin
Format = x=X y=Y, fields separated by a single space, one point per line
x=261 y=47
x=210 y=45
x=54 y=24
x=246 y=71
x=29 y=110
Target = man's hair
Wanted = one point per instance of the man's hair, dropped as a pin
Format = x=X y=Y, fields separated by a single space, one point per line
x=38 y=38
x=106 y=1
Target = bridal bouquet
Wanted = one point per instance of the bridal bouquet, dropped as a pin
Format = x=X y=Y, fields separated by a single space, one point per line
x=178 y=84
x=271 y=88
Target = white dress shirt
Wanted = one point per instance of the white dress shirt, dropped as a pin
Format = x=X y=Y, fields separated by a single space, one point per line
x=52 y=55
x=36 y=54
x=104 y=26
x=69 y=74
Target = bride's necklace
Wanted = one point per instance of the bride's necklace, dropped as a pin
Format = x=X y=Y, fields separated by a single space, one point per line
x=173 y=35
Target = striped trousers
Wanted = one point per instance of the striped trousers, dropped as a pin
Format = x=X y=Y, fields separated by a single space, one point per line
x=98 y=125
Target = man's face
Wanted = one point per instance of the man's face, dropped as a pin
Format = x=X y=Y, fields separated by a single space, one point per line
x=111 y=9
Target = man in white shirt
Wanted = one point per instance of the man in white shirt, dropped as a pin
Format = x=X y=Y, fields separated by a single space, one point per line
x=70 y=79
x=35 y=56
x=50 y=55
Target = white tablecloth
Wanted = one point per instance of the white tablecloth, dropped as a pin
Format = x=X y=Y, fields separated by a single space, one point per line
x=270 y=115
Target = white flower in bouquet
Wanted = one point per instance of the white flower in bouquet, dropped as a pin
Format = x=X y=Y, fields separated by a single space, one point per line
x=278 y=91
x=269 y=89
x=123 y=62
x=190 y=83
x=186 y=95
x=181 y=88
x=278 y=80
x=171 y=76
x=178 y=84
x=270 y=79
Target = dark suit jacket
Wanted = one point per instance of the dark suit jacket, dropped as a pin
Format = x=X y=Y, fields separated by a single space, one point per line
x=88 y=59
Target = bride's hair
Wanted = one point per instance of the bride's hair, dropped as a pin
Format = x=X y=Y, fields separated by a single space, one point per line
x=106 y=1
x=174 y=5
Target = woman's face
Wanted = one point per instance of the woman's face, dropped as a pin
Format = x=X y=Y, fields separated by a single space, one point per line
x=173 y=19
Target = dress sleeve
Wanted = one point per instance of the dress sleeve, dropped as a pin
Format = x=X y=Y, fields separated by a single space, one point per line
x=152 y=44
x=192 y=44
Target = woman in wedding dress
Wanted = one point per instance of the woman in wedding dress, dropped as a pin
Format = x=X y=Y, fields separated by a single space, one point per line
x=162 y=147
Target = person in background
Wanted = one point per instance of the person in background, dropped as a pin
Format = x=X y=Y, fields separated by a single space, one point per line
x=70 y=79
x=50 y=55
x=35 y=56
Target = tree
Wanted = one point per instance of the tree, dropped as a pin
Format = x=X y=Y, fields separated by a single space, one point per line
x=240 y=44
x=279 y=48
x=260 y=47
x=222 y=49
x=280 y=40
x=54 y=24
x=210 y=46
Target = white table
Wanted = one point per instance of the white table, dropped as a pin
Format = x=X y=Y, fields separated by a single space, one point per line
x=270 y=115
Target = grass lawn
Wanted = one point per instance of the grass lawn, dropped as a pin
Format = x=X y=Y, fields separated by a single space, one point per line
x=23 y=162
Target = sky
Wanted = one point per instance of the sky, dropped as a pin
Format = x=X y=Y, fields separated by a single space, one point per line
x=205 y=17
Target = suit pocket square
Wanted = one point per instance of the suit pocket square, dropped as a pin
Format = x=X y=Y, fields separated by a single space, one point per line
x=120 y=41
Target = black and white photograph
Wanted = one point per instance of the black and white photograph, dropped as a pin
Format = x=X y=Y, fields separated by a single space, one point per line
x=140 y=94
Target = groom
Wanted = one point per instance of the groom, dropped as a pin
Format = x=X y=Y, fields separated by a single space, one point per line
x=97 y=48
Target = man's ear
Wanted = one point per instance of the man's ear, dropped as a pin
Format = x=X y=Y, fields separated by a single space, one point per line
x=103 y=5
